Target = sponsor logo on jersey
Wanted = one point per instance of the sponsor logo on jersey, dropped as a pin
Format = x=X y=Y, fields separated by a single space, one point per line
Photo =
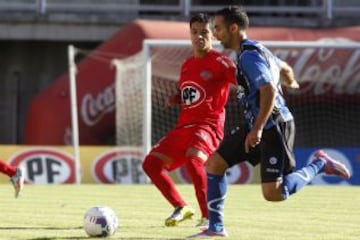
x=45 y=166
x=273 y=160
x=272 y=170
x=192 y=94
x=119 y=166
x=206 y=75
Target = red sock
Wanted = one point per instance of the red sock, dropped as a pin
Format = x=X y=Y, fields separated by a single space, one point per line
x=195 y=168
x=7 y=169
x=153 y=167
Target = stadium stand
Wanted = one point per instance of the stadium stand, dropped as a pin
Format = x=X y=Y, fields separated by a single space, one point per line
x=104 y=17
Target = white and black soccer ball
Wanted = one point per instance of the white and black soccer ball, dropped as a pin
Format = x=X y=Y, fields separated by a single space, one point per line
x=100 y=221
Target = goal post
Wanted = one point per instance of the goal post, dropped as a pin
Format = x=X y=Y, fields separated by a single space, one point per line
x=74 y=111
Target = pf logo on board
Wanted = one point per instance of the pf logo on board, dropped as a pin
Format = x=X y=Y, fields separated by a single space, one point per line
x=119 y=166
x=45 y=166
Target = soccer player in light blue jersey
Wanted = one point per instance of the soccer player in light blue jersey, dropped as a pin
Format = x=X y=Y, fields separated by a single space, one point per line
x=267 y=137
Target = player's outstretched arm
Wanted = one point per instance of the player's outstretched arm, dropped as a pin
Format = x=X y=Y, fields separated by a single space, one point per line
x=287 y=76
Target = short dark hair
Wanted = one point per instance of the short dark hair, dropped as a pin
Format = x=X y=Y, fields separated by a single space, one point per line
x=234 y=14
x=199 y=17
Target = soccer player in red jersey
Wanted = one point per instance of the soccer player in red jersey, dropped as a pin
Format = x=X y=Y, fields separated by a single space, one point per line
x=15 y=174
x=203 y=86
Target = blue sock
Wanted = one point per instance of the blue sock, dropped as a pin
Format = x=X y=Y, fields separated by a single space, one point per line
x=217 y=188
x=295 y=181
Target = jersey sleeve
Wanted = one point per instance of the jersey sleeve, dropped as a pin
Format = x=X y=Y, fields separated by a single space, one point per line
x=229 y=69
x=277 y=61
x=256 y=69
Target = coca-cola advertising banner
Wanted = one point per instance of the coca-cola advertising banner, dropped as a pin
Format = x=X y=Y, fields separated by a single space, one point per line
x=319 y=71
x=325 y=73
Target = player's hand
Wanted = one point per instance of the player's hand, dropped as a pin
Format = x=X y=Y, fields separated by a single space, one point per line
x=287 y=77
x=172 y=100
x=252 y=139
x=168 y=102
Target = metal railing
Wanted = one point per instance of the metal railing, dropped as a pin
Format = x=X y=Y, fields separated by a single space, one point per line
x=325 y=8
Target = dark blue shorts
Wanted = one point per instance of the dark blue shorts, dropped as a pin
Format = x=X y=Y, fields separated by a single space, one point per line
x=274 y=152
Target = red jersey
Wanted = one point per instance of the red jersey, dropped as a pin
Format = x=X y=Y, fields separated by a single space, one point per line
x=204 y=86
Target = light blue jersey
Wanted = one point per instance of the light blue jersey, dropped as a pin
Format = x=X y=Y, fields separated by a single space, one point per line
x=258 y=66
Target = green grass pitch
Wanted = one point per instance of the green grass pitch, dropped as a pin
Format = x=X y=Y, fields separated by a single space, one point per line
x=47 y=212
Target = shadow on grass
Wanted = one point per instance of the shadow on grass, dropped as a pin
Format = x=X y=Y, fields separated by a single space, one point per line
x=44 y=228
x=112 y=237
x=56 y=238
x=39 y=228
x=76 y=237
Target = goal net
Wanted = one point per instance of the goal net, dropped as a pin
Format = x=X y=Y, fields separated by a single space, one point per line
x=326 y=107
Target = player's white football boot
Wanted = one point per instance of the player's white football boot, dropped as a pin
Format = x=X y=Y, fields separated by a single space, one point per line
x=18 y=181
x=180 y=214
x=333 y=167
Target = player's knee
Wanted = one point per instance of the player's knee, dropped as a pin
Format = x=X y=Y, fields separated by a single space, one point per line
x=271 y=193
x=271 y=197
x=152 y=164
x=216 y=165
x=146 y=165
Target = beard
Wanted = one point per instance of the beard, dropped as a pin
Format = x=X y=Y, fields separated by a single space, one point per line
x=225 y=44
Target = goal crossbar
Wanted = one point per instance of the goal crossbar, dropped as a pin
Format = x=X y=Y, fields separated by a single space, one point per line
x=149 y=43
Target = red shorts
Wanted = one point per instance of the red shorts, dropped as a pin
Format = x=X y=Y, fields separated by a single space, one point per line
x=178 y=140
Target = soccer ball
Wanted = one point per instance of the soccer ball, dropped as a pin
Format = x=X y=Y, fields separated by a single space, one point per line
x=100 y=222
